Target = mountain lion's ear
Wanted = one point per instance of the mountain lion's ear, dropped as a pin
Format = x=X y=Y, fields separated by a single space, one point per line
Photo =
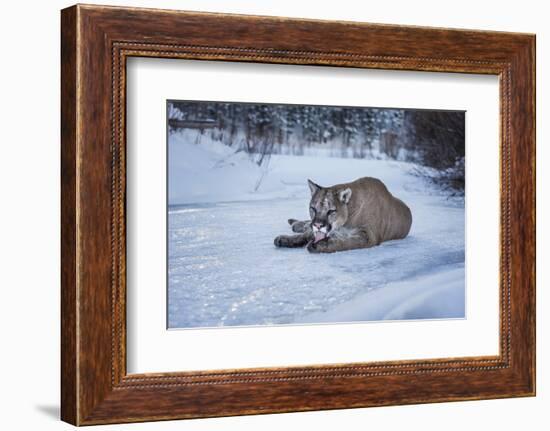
x=313 y=187
x=344 y=195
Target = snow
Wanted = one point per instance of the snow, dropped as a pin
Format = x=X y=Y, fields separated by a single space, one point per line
x=224 y=269
x=210 y=172
x=438 y=295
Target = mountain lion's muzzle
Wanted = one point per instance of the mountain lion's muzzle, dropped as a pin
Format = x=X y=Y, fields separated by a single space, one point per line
x=320 y=230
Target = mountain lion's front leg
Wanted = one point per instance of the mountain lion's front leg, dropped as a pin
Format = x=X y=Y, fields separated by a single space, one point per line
x=332 y=244
x=293 y=241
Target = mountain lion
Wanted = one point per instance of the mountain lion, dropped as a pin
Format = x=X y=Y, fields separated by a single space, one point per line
x=359 y=214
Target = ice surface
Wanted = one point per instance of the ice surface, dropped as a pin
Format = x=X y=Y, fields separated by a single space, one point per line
x=224 y=269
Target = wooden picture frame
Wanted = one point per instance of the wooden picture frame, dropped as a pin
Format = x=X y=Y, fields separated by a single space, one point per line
x=95 y=43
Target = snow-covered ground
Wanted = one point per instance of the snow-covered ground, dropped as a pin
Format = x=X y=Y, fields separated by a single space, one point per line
x=224 y=269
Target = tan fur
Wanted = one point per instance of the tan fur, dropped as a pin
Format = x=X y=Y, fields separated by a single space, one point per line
x=373 y=208
x=361 y=214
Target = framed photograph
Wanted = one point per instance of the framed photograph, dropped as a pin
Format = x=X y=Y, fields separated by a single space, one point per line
x=264 y=214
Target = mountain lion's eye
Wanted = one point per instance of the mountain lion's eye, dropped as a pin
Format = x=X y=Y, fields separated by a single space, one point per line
x=329 y=212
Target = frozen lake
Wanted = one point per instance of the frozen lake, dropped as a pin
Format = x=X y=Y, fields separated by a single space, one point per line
x=224 y=269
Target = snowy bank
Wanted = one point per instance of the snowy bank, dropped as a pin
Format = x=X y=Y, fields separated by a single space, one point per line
x=211 y=172
x=433 y=296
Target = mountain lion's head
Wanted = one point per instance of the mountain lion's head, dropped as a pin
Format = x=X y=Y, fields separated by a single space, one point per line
x=328 y=209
